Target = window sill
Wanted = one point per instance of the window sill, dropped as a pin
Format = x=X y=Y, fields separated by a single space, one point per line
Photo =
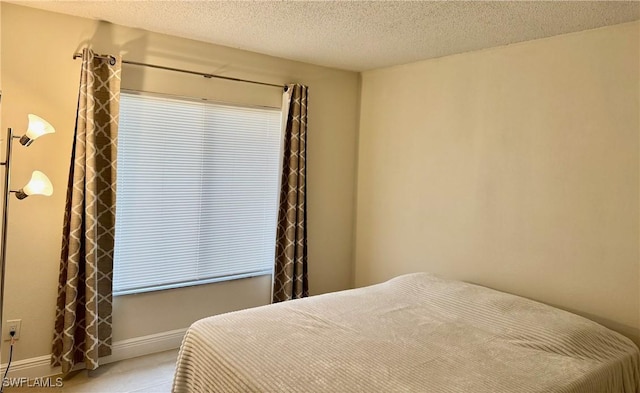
x=192 y=283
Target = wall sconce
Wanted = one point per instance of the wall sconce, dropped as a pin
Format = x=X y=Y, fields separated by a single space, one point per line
x=38 y=185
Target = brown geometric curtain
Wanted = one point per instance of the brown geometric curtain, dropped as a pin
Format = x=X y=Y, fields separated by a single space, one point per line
x=83 y=317
x=290 y=276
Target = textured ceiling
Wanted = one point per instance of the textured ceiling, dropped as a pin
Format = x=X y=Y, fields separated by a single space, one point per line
x=355 y=35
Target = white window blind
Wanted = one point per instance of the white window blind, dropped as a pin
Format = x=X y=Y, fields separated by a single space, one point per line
x=197 y=192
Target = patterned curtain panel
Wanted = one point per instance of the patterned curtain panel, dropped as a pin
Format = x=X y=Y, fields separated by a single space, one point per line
x=290 y=276
x=83 y=318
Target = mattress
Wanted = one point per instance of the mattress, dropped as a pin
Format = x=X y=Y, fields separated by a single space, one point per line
x=414 y=333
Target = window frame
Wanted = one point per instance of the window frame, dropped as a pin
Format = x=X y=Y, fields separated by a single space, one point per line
x=258 y=273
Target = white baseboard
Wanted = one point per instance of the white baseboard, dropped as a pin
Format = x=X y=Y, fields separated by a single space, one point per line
x=126 y=349
x=145 y=345
x=31 y=368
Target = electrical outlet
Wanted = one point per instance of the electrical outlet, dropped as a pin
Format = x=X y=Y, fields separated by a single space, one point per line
x=12 y=325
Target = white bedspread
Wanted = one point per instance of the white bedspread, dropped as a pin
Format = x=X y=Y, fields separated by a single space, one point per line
x=414 y=333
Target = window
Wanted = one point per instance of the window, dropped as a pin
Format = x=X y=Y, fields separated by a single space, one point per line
x=197 y=192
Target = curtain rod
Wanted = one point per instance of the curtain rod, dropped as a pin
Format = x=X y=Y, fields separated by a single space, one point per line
x=112 y=61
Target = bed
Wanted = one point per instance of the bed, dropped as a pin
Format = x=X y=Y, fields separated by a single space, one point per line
x=414 y=333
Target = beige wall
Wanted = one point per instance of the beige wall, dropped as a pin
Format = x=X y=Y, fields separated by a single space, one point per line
x=515 y=167
x=39 y=76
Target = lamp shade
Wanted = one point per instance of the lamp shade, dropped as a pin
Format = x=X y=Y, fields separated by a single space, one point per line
x=38 y=185
x=36 y=128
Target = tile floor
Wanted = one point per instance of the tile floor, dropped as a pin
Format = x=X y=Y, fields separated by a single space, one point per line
x=148 y=374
